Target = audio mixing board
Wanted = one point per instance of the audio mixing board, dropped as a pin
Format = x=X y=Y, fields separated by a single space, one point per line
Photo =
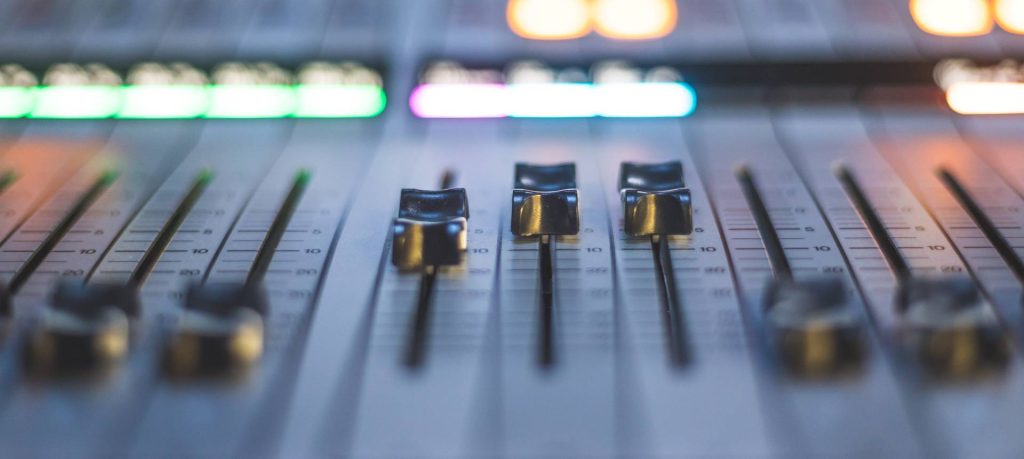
x=527 y=228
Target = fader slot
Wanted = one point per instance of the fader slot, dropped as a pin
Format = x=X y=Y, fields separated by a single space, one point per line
x=419 y=328
x=546 y=307
x=170 y=228
x=952 y=330
x=676 y=333
x=987 y=226
x=39 y=168
x=277 y=229
x=875 y=226
x=53 y=236
x=769 y=235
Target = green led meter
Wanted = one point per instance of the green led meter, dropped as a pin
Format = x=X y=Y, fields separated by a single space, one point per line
x=180 y=91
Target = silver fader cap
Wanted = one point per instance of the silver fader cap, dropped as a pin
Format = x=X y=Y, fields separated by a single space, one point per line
x=655 y=200
x=86 y=329
x=951 y=328
x=816 y=330
x=221 y=332
x=431 y=229
x=545 y=200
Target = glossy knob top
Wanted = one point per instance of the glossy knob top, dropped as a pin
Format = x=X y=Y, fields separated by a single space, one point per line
x=85 y=328
x=224 y=300
x=815 y=327
x=89 y=301
x=431 y=228
x=950 y=327
x=938 y=298
x=221 y=332
x=653 y=177
x=655 y=200
x=545 y=200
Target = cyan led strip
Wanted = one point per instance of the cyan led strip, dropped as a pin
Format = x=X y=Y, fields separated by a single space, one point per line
x=553 y=100
x=193 y=101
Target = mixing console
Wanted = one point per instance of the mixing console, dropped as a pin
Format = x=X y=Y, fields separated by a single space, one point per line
x=524 y=228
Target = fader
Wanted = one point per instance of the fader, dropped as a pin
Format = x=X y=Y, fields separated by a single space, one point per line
x=545 y=203
x=814 y=326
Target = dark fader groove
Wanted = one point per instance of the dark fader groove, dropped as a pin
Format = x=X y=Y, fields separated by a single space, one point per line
x=86 y=200
x=769 y=236
x=985 y=224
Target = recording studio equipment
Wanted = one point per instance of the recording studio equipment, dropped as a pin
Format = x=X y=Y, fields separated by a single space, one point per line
x=738 y=228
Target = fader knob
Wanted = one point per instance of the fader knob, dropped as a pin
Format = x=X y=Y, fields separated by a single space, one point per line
x=221 y=332
x=545 y=200
x=86 y=328
x=431 y=228
x=950 y=328
x=655 y=200
x=816 y=330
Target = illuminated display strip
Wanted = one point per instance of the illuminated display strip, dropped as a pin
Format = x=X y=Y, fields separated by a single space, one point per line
x=553 y=100
x=979 y=89
x=986 y=98
x=193 y=101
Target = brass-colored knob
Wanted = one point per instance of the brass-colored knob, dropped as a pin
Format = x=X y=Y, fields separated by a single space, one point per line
x=655 y=200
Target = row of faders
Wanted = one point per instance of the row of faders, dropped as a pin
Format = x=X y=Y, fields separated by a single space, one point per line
x=431 y=232
x=198 y=296
x=87 y=325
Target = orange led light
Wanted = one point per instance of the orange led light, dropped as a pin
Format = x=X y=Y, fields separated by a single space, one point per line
x=952 y=18
x=1010 y=15
x=986 y=98
x=549 y=19
x=635 y=19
